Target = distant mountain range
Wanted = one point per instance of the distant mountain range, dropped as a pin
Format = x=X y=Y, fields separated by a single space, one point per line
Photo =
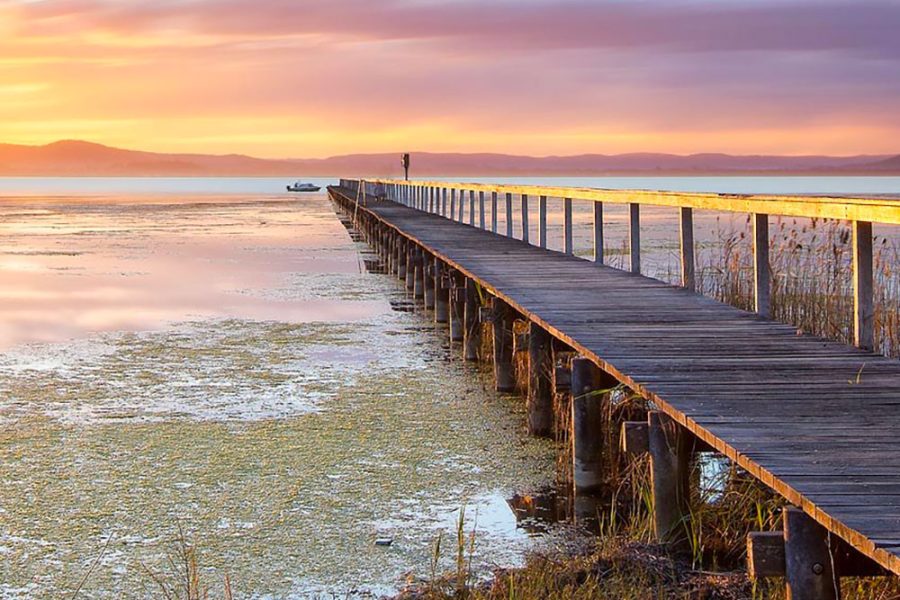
x=78 y=158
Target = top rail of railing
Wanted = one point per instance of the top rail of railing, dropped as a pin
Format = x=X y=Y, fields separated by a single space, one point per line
x=448 y=199
x=876 y=209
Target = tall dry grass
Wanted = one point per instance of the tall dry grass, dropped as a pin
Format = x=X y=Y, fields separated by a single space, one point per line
x=812 y=285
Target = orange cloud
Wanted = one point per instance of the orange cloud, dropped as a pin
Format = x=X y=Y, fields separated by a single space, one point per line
x=322 y=77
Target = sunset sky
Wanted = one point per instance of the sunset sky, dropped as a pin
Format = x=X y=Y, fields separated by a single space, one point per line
x=312 y=78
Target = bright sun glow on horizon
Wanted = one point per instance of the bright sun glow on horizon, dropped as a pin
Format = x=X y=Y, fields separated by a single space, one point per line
x=280 y=78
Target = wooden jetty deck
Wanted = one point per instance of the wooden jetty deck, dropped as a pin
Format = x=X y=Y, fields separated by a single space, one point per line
x=815 y=420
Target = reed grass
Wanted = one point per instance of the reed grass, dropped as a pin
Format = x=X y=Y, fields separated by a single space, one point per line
x=812 y=288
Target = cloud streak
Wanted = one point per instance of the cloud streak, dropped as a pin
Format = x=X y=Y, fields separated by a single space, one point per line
x=570 y=76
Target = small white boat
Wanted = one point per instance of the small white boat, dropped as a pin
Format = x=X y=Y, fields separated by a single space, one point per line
x=299 y=186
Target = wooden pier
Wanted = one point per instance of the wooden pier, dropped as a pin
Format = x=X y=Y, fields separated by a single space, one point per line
x=816 y=421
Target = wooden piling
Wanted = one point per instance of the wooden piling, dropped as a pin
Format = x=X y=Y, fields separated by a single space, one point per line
x=589 y=384
x=428 y=283
x=410 y=266
x=419 y=276
x=402 y=249
x=441 y=293
x=457 y=308
x=808 y=561
x=471 y=332
x=670 y=463
x=540 y=381
x=502 y=329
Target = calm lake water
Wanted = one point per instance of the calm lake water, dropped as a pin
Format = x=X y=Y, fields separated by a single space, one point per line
x=210 y=355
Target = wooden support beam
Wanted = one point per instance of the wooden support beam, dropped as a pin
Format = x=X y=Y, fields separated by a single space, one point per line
x=419 y=276
x=509 y=216
x=540 y=381
x=590 y=388
x=634 y=236
x=494 y=212
x=502 y=330
x=686 y=221
x=542 y=221
x=525 y=218
x=568 y=246
x=807 y=559
x=761 y=274
x=428 y=283
x=441 y=293
x=670 y=468
x=402 y=249
x=766 y=559
x=410 y=266
x=598 y=232
x=863 y=286
x=457 y=307
x=472 y=330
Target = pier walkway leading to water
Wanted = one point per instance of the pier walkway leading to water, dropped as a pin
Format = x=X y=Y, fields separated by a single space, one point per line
x=815 y=420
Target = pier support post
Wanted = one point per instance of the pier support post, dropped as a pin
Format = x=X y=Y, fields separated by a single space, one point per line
x=402 y=248
x=807 y=558
x=457 y=308
x=540 y=381
x=410 y=266
x=472 y=337
x=670 y=472
x=589 y=397
x=441 y=293
x=502 y=330
x=428 y=283
x=419 y=275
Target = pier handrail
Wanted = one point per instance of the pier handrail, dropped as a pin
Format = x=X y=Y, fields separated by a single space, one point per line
x=861 y=212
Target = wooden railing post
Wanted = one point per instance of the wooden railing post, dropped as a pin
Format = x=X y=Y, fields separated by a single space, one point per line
x=863 y=286
x=472 y=208
x=542 y=221
x=634 y=236
x=462 y=204
x=567 y=226
x=761 y=274
x=443 y=202
x=509 y=216
x=452 y=204
x=525 y=218
x=598 y=232
x=481 y=209
x=494 y=212
x=687 y=249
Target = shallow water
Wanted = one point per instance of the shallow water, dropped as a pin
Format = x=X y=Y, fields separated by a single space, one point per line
x=225 y=365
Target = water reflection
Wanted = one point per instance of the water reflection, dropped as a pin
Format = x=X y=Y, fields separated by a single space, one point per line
x=69 y=267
